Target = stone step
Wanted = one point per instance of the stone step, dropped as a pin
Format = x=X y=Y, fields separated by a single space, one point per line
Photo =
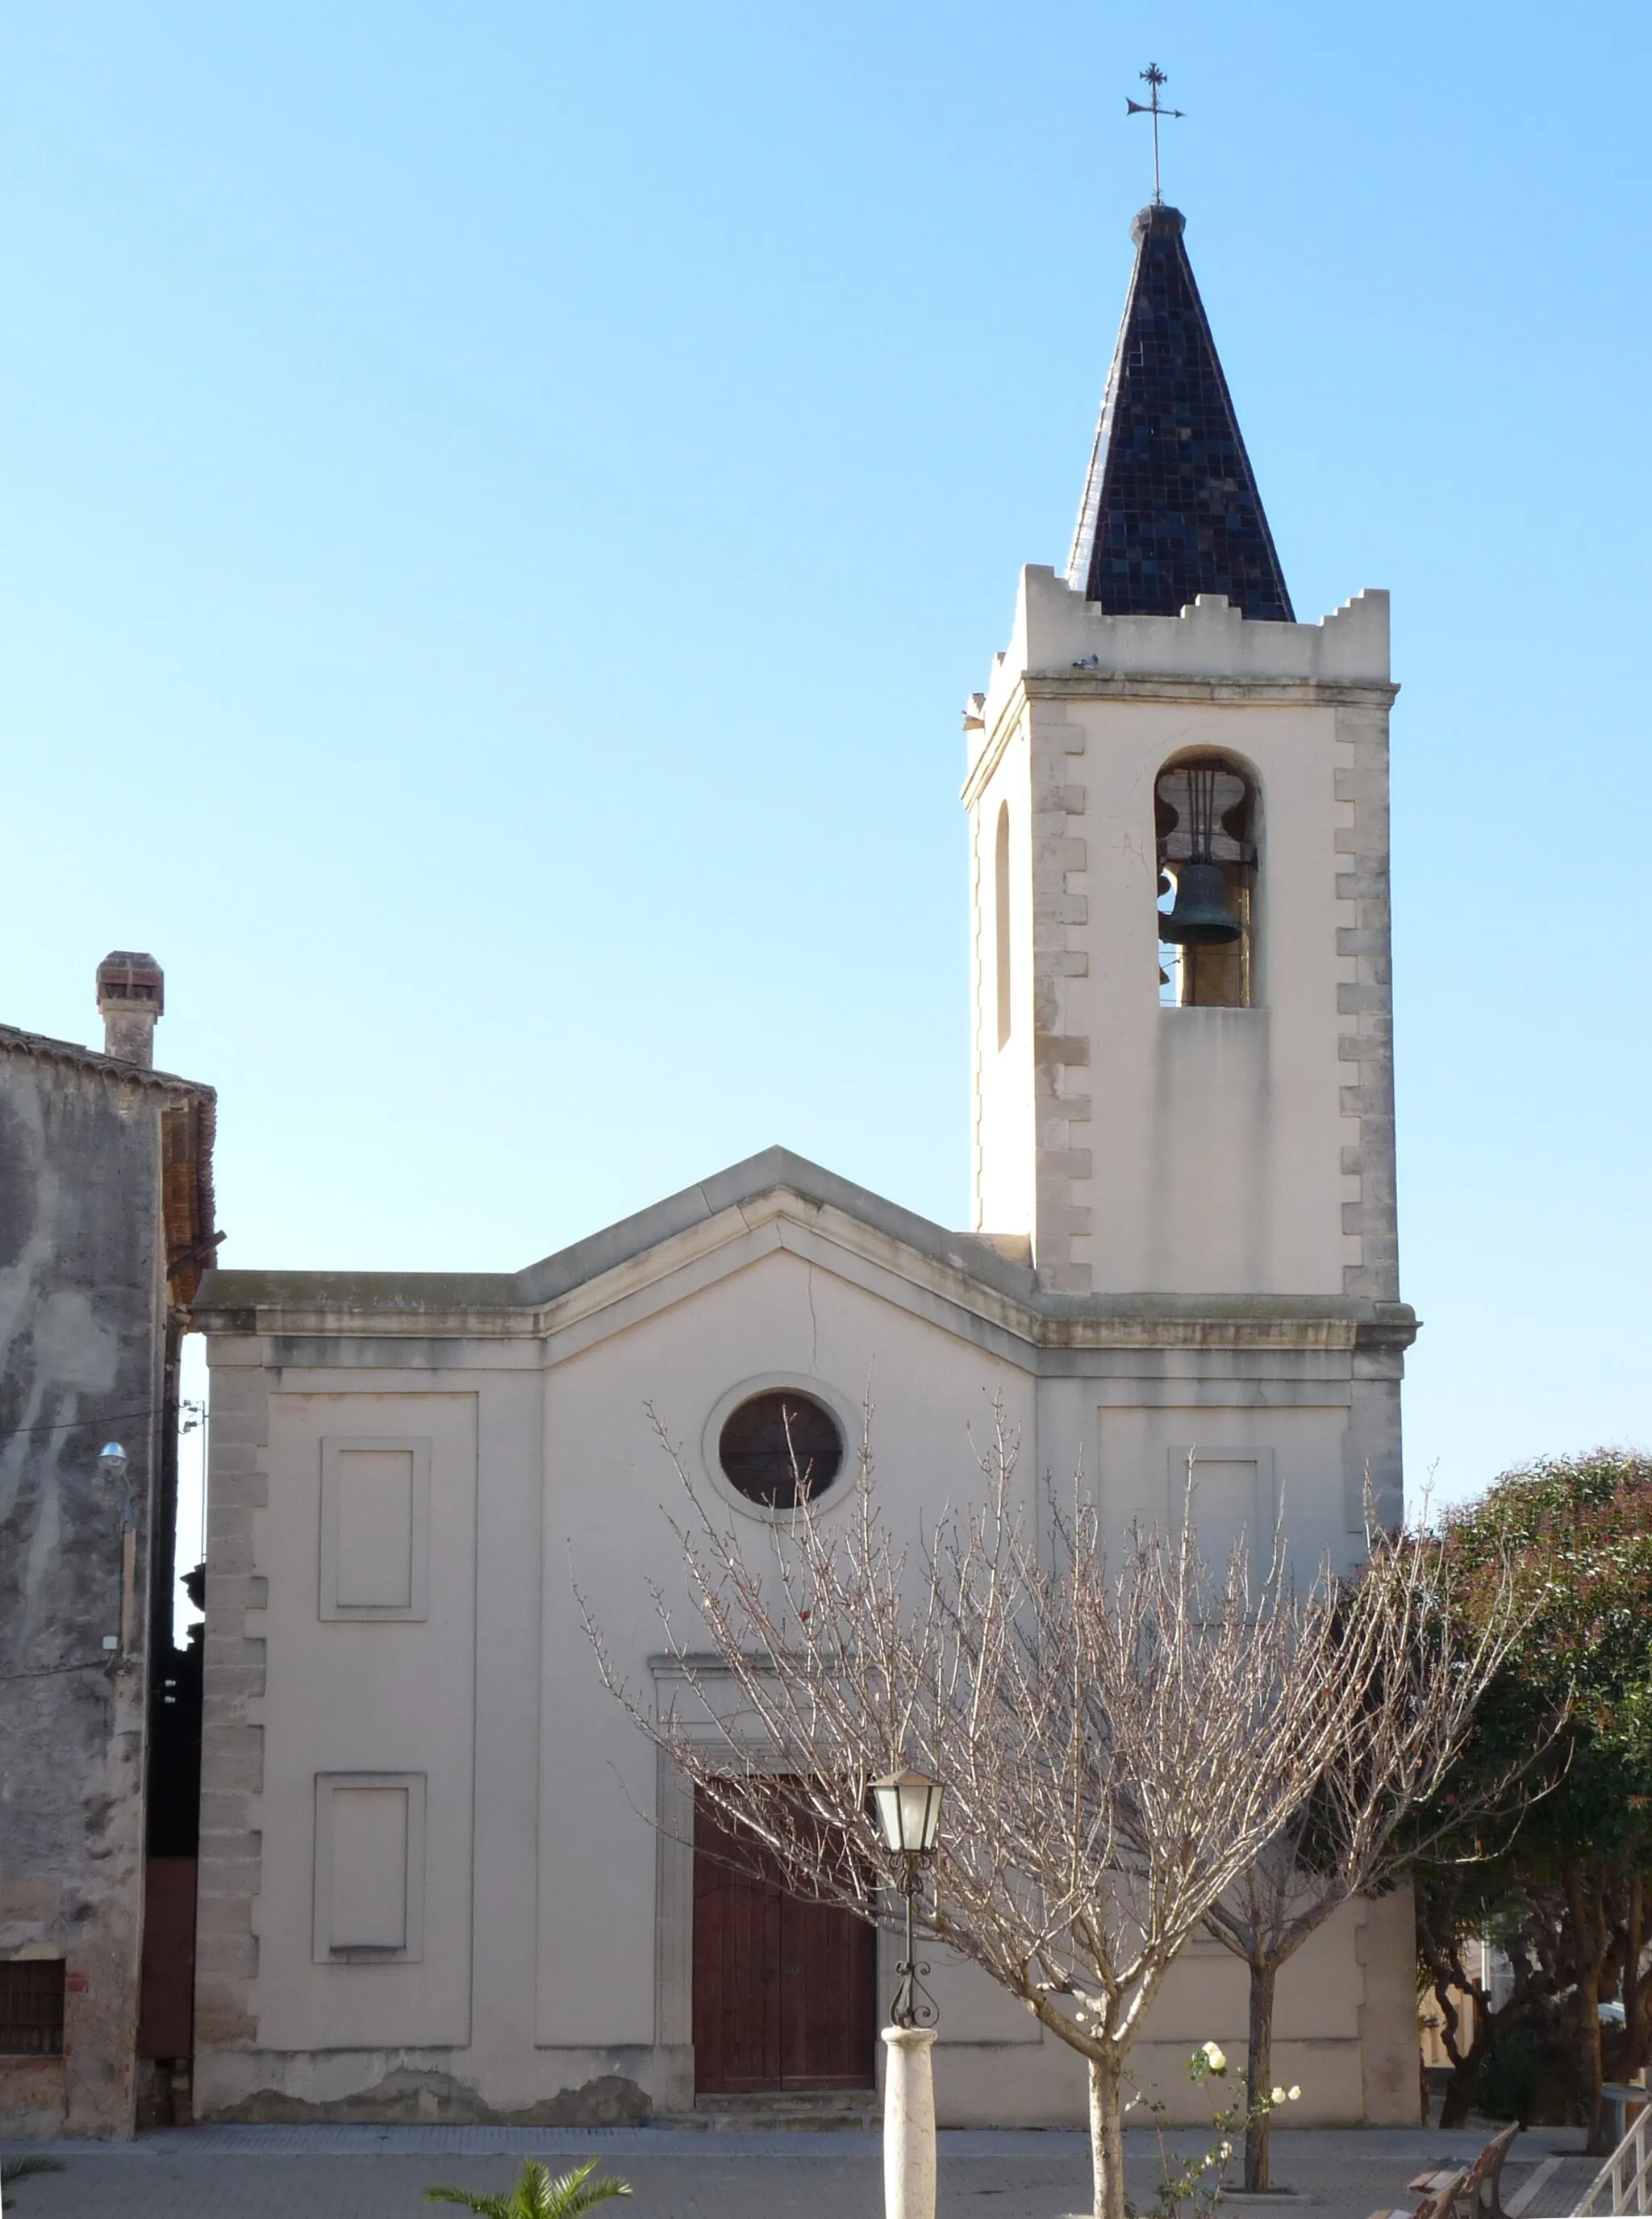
x=852 y=2110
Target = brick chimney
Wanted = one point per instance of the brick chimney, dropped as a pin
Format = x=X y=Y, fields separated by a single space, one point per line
x=130 y=998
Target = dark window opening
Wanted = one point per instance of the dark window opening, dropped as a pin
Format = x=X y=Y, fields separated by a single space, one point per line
x=175 y=1745
x=781 y=1449
x=31 y=2007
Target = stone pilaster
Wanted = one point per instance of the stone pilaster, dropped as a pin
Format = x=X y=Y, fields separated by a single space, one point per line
x=1366 y=1001
x=1060 y=910
x=231 y=1740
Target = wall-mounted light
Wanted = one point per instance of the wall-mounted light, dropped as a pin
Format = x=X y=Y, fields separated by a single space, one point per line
x=113 y=1469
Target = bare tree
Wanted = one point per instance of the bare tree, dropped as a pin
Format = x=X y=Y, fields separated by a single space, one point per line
x=1117 y=1743
x=1421 y=1673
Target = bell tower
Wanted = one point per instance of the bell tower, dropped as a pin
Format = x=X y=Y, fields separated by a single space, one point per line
x=1179 y=856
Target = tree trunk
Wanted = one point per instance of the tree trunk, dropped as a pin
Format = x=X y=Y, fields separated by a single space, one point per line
x=1591 y=1940
x=1634 y=1986
x=1258 y=2078
x=1107 y=2137
x=1458 y=2100
x=1449 y=1979
x=1588 y=2005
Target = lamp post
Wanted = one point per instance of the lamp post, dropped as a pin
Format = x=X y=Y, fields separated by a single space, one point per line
x=908 y=1818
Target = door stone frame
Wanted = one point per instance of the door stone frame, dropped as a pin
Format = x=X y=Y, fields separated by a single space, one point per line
x=673 y=1887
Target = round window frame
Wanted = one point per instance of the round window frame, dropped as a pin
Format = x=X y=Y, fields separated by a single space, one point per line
x=837 y=1405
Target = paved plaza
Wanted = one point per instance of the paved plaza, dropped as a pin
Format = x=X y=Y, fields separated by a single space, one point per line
x=380 y=2172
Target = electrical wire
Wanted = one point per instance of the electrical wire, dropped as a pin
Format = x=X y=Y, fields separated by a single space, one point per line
x=46 y=1671
x=109 y=1418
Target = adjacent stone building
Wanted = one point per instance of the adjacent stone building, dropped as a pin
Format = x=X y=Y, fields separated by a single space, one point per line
x=106 y=1220
x=440 y=1873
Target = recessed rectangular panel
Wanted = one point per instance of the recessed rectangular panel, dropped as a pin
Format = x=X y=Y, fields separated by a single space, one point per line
x=369 y=1869
x=375 y=1527
x=369 y=1854
x=375 y=1519
x=1234 y=1505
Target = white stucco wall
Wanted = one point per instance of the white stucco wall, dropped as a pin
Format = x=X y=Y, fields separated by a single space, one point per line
x=556 y=1946
x=361 y=1698
x=1193 y=1151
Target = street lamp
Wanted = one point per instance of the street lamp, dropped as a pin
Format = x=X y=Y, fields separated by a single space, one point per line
x=908 y=1818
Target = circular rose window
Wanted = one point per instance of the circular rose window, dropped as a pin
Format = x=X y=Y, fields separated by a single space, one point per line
x=781 y=1449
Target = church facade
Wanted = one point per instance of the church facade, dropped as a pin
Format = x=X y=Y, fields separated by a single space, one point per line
x=441 y=1875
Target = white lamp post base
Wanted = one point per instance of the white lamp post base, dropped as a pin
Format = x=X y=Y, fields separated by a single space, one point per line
x=908 y=2125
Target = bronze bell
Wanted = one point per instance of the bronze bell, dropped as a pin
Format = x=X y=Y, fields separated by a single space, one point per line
x=1200 y=917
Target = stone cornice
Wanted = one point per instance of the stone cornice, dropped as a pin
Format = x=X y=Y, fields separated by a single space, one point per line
x=835 y=1225
x=1080 y=684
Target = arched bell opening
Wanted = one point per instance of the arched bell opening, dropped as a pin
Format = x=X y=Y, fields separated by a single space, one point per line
x=1205 y=811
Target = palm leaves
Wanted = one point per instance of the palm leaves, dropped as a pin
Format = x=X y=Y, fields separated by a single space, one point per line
x=536 y=2196
x=20 y=2168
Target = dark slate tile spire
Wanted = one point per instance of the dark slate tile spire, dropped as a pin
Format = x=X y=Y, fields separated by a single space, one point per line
x=1170 y=507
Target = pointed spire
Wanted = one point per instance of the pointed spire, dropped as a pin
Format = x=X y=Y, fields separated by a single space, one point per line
x=1170 y=507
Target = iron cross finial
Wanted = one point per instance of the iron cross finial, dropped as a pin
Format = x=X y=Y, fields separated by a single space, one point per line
x=1153 y=77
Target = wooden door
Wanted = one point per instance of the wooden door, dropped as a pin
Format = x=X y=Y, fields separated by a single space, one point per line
x=784 y=1990
x=166 y=1989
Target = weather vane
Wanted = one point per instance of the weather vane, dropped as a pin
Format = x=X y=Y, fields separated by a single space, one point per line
x=1154 y=77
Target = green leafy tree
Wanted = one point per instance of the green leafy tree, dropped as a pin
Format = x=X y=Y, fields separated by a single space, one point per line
x=536 y=2196
x=1564 y=1873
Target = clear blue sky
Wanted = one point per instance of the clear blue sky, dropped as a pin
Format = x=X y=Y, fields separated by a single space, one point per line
x=503 y=503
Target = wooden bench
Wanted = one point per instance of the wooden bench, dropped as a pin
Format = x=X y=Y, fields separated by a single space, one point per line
x=1479 y=2196
x=1439 y=2201
x=1462 y=2192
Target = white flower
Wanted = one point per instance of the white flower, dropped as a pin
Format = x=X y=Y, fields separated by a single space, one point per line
x=1217 y=2061
x=1278 y=2096
x=1292 y=2094
x=1226 y=2150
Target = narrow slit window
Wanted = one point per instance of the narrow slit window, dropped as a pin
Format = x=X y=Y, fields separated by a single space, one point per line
x=1001 y=916
x=1206 y=813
